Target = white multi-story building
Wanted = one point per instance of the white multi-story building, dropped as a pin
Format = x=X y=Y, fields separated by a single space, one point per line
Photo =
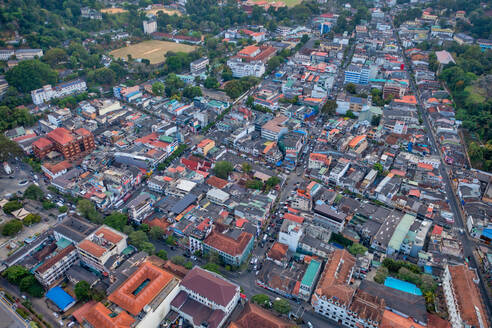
x=149 y=26
x=97 y=248
x=56 y=265
x=24 y=54
x=290 y=233
x=47 y=92
x=199 y=65
x=241 y=69
x=204 y=288
x=5 y=54
x=339 y=170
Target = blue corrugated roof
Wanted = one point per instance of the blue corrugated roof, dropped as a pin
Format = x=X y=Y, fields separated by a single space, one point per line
x=60 y=297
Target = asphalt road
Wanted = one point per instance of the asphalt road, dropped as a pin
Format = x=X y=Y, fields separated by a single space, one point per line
x=467 y=243
x=9 y=318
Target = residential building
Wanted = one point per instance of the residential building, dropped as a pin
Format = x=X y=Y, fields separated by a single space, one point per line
x=205 y=299
x=55 y=265
x=233 y=247
x=328 y=218
x=204 y=146
x=463 y=299
x=275 y=128
x=256 y=316
x=309 y=279
x=290 y=233
x=241 y=68
x=101 y=249
x=199 y=66
x=24 y=54
x=47 y=92
x=150 y=26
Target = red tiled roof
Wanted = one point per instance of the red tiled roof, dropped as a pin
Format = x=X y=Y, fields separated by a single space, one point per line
x=100 y=316
x=468 y=296
x=294 y=218
x=437 y=230
x=217 y=182
x=42 y=143
x=228 y=244
x=109 y=235
x=60 y=135
x=124 y=296
x=278 y=251
x=82 y=132
x=254 y=316
x=249 y=50
x=92 y=248
x=334 y=279
x=58 y=167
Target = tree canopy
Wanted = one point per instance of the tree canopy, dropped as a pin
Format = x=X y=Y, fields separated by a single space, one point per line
x=30 y=75
x=222 y=169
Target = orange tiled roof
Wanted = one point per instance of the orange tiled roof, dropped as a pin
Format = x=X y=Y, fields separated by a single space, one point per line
x=82 y=132
x=334 y=279
x=92 y=248
x=278 y=251
x=249 y=50
x=467 y=295
x=254 y=316
x=355 y=140
x=60 y=135
x=294 y=218
x=217 y=182
x=134 y=304
x=58 y=167
x=393 y=320
x=98 y=316
x=42 y=143
x=228 y=244
x=109 y=235
x=52 y=260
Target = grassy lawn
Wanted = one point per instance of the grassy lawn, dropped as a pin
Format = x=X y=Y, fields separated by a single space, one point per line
x=153 y=50
x=288 y=3
x=170 y=12
x=113 y=10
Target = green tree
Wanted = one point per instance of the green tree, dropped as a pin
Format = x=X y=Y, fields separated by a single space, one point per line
x=158 y=88
x=11 y=228
x=222 y=169
x=178 y=259
x=272 y=182
x=33 y=192
x=8 y=148
x=55 y=56
x=192 y=92
x=357 y=249
x=351 y=88
x=381 y=275
x=11 y=206
x=116 y=220
x=15 y=273
x=375 y=120
x=48 y=204
x=188 y=265
x=171 y=240
x=281 y=306
x=254 y=184
x=87 y=209
x=233 y=89
x=82 y=291
x=273 y=63
x=31 y=219
x=156 y=233
x=30 y=75
x=138 y=238
x=246 y=167
x=162 y=254
x=211 y=83
x=329 y=107
x=350 y=114
x=378 y=167
x=148 y=247
x=261 y=299
x=213 y=267
x=63 y=209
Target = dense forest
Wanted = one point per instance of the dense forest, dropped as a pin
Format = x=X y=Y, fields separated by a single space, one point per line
x=470 y=84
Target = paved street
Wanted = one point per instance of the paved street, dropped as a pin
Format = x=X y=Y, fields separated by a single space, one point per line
x=8 y=317
x=467 y=243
